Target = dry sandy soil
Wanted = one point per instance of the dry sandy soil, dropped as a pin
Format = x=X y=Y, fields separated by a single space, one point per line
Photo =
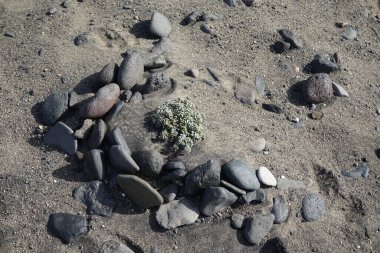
x=36 y=181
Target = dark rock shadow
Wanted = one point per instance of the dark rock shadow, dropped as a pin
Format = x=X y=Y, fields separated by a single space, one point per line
x=89 y=84
x=141 y=30
x=153 y=223
x=124 y=206
x=241 y=239
x=36 y=112
x=273 y=245
x=295 y=94
x=71 y=173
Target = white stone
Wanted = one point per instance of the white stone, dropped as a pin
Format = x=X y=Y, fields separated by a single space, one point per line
x=266 y=177
x=258 y=145
x=160 y=25
x=339 y=90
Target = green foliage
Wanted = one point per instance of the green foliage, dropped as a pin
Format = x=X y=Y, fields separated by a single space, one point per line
x=179 y=123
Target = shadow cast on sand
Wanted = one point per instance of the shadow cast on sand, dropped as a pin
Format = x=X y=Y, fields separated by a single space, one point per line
x=141 y=30
x=295 y=94
x=71 y=173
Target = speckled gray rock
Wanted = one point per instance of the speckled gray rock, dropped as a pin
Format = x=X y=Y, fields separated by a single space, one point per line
x=177 y=213
x=139 y=191
x=114 y=247
x=313 y=207
x=82 y=39
x=245 y=94
x=255 y=197
x=162 y=46
x=95 y=164
x=157 y=81
x=169 y=192
x=241 y=174
x=108 y=74
x=258 y=145
x=131 y=71
x=201 y=177
x=96 y=197
x=160 y=25
x=280 y=209
x=67 y=226
x=339 y=90
x=103 y=101
x=121 y=160
x=291 y=37
x=357 y=172
x=266 y=177
x=84 y=131
x=149 y=161
x=53 y=107
x=115 y=137
x=62 y=137
x=215 y=199
x=115 y=111
x=350 y=34
x=317 y=89
x=257 y=227
x=237 y=221
x=97 y=134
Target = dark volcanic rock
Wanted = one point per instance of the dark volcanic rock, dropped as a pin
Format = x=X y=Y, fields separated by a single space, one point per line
x=121 y=159
x=324 y=64
x=97 y=134
x=53 y=107
x=131 y=71
x=313 y=207
x=157 y=81
x=291 y=37
x=241 y=174
x=62 y=137
x=149 y=161
x=95 y=164
x=257 y=227
x=114 y=137
x=215 y=199
x=96 y=197
x=67 y=226
x=318 y=89
x=115 y=111
x=174 y=166
x=272 y=108
x=108 y=74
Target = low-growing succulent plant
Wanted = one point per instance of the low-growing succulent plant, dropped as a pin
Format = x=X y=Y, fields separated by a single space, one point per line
x=179 y=123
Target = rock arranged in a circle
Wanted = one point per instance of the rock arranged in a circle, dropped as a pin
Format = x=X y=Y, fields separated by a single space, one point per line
x=266 y=177
x=313 y=207
x=215 y=199
x=139 y=191
x=121 y=159
x=97 y=134
x=317 y=89
x=169 y=192
x=96 y=165
x=131 y=71
x=201 y=177
x=258 y=145
x=108 y=74
x=237 y=221
x=160 y=25
x=149 y=161
x=258 y=227
x=291 y=37
x=177 y=213
x=280 y=209
x=114 y=247
x=241 y=174
x=53 y=107
x=67 y=226
x=103 y=101
x=96 y=197
x=62 y=137
x=114 y=137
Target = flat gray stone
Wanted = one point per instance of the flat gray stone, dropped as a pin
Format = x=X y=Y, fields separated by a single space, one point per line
x=160 y=25
x=326 y=63
x=114 y=247
x=215 y=199
x=121 y=160
x=67 y=226
x=339 y=90
x=177 y=213
x=350 y=34
x=257 y=227
x=241 y=174
x=232 y=188
x=62 y=137
x=291 y=37
x=280 y=209
x=313 y=207
x=139 y=191
x=149 y=161
x=357 y=172
x=53 y=107
x=131 y=71
x=97 y=134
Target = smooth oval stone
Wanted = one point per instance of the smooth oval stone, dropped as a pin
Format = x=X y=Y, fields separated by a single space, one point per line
x=62 y=137
x=313 y=207
x=97 y=135
x=108 y=74
x=67 y=226
x=258 y=145
x=169 y=192
x=350 y=34
x=339 y=90
x=157 y=81
x=114 y=247
x=177 y=213
x=96 y=167
x=272 y=108
x=139 y=191
x=258 y=227
x=149 y=161
x=162 y=46
x=160 y=25
x=115 y=111
x=291 y=37
x=215 y=199
x=280 y=209
x=174 y=166
x=53 y=107
x=241 y=174
x=317 y=88
x=237 y=221
x=266 y=177
x=131 y=71
x=114 y=137
x=121 y=160
x=103 y=101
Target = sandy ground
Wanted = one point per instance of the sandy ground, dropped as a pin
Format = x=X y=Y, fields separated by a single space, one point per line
x=36 y=180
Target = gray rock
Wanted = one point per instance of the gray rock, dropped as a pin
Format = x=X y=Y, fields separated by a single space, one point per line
x=349 y=34
x=67 y=226
x=82 y=39
x=231 y=3
x=245 y=94
x=115 y=111
x=325 y=63
x=174 y=166
x=131 y=71
x=272 y=108
x=97 y=134
x=281 y=46
x=52 y=11
x=237 y=221
x=155 y=62
x=317 y=89
x=121 y=159
x=214 y=75
x=206 y=28
x=258 y=227
x=84 y=131
x=62 y=137
x=169 y=192
x=114 y=137
x=215 y=199
x=232 y=188
x=313 y=207
x=157 y=81
x=9 y=34
x=103 y=101
x=114 y=247
x=260 y=86
x=297 y=125
x=160 y=25
x=53 y=107
x=108 y=74
x=192 y=18
x=95 y=164
x=175 y=174
x=258 y=145
x=162 y=46
x=193 y=72
x=280 y=209
x=266 y=177
x=257 y=196
x=203 y=176
x=291 y=37
x=339 y=90
x=212 y=83
x=356 y=172
x=136 y=98
x=149 y=161
x=241 y=174
x=96 y=197
x=139 y=191
x=177 y=213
